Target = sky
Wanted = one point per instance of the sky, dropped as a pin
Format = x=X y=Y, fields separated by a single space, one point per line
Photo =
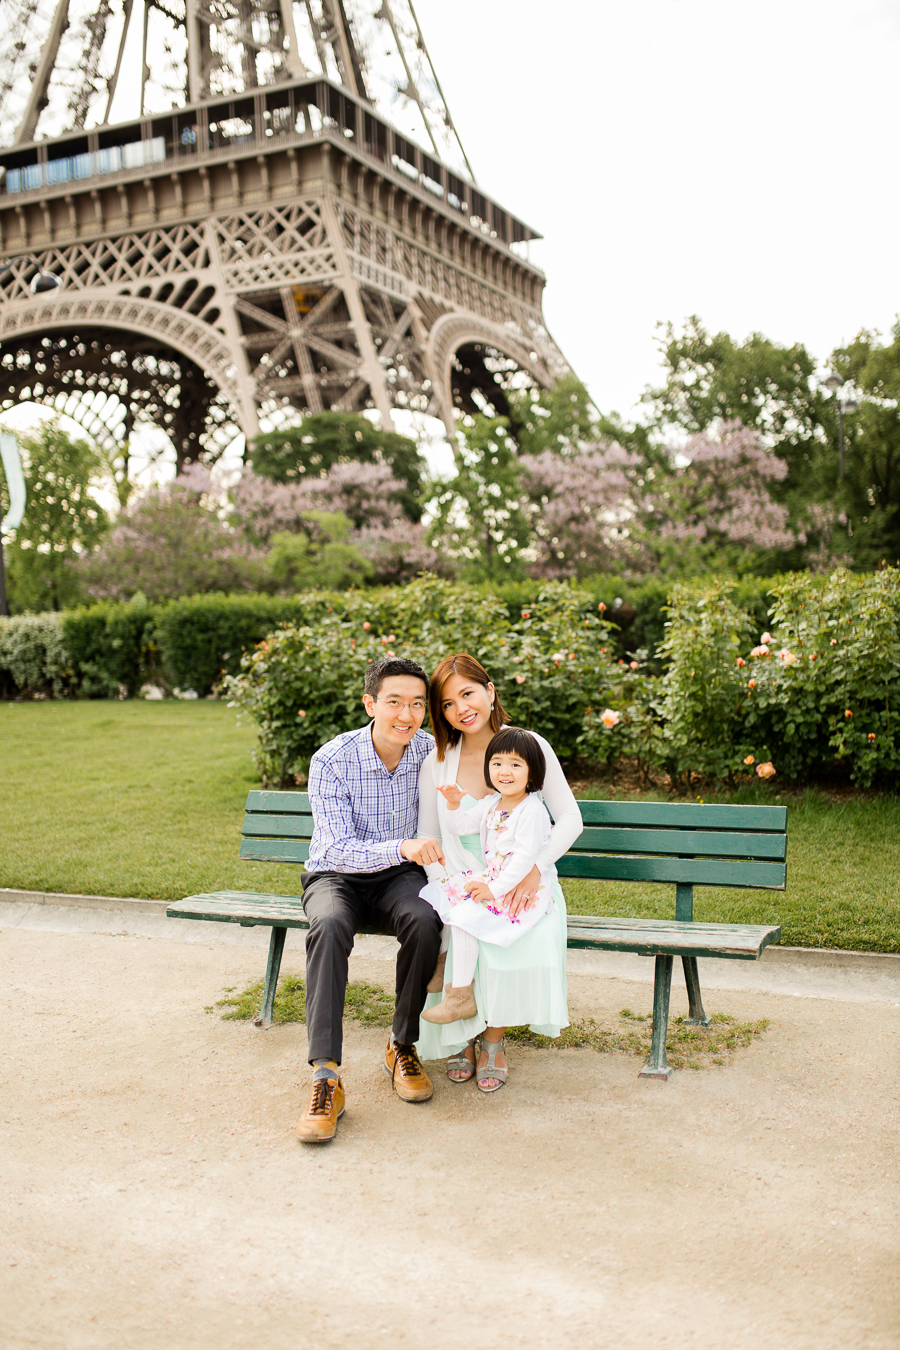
x=714 y=157
x=682 y=157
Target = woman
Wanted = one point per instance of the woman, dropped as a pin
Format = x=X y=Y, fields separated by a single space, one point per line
x=524 y=983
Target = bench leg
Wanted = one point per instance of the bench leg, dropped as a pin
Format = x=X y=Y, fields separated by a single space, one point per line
x=273 y=966
x=696 y=1015
x=657 y=1065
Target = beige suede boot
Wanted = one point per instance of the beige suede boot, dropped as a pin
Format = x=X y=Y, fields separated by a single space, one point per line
x=457 y=1005
x=436 y=983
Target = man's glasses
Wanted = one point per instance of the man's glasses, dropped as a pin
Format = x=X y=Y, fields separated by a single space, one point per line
x=395 y=705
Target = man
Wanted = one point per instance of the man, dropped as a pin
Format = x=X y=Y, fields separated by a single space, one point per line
x=366 y=866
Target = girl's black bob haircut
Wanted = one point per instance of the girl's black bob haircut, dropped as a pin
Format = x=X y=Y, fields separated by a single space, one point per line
x=517 y=741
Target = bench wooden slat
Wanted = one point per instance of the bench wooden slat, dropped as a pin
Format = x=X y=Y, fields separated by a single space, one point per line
x=261 y=825
x=685 y=815
x=740 y=942
x=768 y=876
x=244 y=907
x=274 y=850
x=592 y=921
x=662 y=937
x=294 y=803
x=250 y=910
x=691 y=843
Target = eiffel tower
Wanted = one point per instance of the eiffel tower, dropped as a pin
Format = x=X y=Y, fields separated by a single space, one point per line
x=256 y=209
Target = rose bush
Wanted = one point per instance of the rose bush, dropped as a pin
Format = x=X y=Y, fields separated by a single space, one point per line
x=820 y=691
x=702 y=693
x=822 y=688
x=826 y=686
x=303 y=684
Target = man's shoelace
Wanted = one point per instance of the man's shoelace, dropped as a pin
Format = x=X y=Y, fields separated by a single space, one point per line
x=322 y=1097
x=406 y=1060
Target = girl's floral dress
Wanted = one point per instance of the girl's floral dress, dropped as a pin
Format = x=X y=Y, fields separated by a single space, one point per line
x=510 y=843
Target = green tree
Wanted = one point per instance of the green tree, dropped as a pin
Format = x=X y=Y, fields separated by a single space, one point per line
x=710 y=377
x=757 y=382
x=171 y=541
x=480 y=515
x=870 y=493
x=561 y=419
x=776 y=390
x=62 y=521
x=116 y=463
x=319 y=555
x=565 y=420
x=325 y=439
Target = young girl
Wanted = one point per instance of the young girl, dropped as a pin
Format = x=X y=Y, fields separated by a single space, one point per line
x=514 y=826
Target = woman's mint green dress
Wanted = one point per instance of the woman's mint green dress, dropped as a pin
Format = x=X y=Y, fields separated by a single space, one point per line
x=525 y=983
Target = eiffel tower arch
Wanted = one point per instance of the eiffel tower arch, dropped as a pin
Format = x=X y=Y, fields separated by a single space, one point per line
x=256 y=209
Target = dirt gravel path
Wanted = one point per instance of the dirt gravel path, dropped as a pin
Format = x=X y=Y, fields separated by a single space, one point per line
x=153 y=1193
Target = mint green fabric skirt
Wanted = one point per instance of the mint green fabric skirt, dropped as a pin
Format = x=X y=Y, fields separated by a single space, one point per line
x=520 y=985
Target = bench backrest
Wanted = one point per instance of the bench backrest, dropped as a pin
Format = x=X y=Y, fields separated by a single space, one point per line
x=701 y=844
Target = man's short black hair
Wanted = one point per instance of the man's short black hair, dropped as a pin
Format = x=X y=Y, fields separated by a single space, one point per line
x=386 y=666
x=518 y=741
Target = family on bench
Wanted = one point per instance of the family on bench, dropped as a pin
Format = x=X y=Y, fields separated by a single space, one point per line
x=446 y=841
x=383 y=800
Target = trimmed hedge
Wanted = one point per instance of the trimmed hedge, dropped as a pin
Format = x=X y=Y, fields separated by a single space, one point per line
x=112 y=647
x=34 y=656
x=203 y=637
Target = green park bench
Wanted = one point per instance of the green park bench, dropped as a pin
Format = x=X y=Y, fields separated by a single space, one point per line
x=673 y=843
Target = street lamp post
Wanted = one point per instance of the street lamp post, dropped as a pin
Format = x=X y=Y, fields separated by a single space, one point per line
x=41 y=283
x=834 y=382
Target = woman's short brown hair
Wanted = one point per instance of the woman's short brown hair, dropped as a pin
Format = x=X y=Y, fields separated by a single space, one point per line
x=468 y=668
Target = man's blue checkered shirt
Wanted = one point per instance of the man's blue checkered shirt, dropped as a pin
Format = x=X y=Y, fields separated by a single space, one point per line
x=361 y=812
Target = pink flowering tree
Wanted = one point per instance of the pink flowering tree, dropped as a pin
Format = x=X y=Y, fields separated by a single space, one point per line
x=368 y=496
x=715 y=505
x=171 y=541
x=585 y=511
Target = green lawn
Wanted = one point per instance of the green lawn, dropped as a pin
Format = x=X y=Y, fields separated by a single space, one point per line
x=145 y=799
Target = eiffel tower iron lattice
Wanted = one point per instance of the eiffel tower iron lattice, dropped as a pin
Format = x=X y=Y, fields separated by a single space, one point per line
x=257 y=208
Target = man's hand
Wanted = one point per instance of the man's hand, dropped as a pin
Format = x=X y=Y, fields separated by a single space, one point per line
x=451 y=795
x=481 y=891
x=422 y=851
x=522 y=896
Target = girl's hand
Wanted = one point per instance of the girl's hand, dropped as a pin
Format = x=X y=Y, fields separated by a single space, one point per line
x=481 y=891
x=452 y=796
x=522 y=896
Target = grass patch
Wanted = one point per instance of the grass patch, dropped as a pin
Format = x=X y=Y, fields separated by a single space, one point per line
x=146 y=799
x=371 y=1006
x=132 y=798
x=686 y=1047
x=365 y=1003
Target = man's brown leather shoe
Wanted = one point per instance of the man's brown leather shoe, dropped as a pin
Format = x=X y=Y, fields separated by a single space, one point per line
x=409 y=1079
x=319 y=1121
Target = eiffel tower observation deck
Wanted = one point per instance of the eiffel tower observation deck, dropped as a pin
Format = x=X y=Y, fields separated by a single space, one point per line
x=256 y=209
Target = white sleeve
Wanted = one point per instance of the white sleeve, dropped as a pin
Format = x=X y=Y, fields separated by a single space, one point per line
x=531 y=826
x=467 y=822
x=562 y=806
